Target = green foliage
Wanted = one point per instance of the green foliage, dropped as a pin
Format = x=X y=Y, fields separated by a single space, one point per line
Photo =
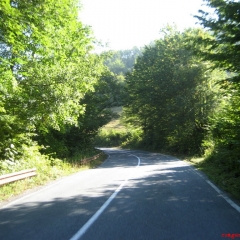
x=221 y=46
x=223 y=175
x=46 y=69
x=47 y=169
x=74 y=139
x=224 y=133
x=133 y=139
x=122 y=61
x=30 y=158
x=119 y=63
x=170 y=95
x=128 y=138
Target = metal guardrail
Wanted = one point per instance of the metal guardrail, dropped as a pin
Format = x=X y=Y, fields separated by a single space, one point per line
x=88 y=160
x=12 y=177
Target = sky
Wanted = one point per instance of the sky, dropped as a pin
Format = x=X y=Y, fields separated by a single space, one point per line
x=123 y=24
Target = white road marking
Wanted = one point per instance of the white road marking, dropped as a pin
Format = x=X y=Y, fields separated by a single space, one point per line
x=227 y=199
x=88 y=224
x=233 y=204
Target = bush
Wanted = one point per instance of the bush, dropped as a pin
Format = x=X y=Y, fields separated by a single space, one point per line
x=119 y=138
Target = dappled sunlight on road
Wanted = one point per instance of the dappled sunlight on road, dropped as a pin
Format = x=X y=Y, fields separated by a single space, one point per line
x=160 y=188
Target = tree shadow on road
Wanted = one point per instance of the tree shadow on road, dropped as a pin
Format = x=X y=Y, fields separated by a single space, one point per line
x=162 y=200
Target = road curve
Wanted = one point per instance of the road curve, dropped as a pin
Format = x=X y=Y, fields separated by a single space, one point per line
x=133 y=195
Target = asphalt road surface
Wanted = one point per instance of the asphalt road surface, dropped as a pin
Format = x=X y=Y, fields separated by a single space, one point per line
x=133 y=195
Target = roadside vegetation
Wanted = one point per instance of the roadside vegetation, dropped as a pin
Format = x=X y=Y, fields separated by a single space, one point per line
x=179 y=95
x=48 y=169
x=221 y=175
x=182 y=96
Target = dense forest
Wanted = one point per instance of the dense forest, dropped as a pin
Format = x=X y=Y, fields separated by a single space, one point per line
x=180 y=94
x=54 y=92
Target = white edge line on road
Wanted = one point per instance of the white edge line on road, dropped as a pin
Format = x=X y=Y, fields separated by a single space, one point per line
x=227 y=199
x=88 y=224
x=233 y=204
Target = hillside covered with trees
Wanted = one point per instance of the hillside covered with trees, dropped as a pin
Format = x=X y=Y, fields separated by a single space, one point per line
x=180 y=94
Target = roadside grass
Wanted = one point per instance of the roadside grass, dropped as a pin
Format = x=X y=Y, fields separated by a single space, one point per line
x=194 y=160
x=223 y=176
x=115 y=123
x=97 y=162
x=110 y=138
x=115 y=134
x=48 y=169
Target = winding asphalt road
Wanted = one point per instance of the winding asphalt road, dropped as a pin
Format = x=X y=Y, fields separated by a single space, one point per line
x=133 y=195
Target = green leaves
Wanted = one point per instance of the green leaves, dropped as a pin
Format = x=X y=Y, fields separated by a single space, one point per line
x=221 y=47
x=168 y=95
x=96 y=113
x=46 y=67
x=225 y=37
x=122 y=61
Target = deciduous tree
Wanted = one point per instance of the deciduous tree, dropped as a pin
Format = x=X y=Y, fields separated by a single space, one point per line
x=169 y=94
x=46 y=67
x=221 y=46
